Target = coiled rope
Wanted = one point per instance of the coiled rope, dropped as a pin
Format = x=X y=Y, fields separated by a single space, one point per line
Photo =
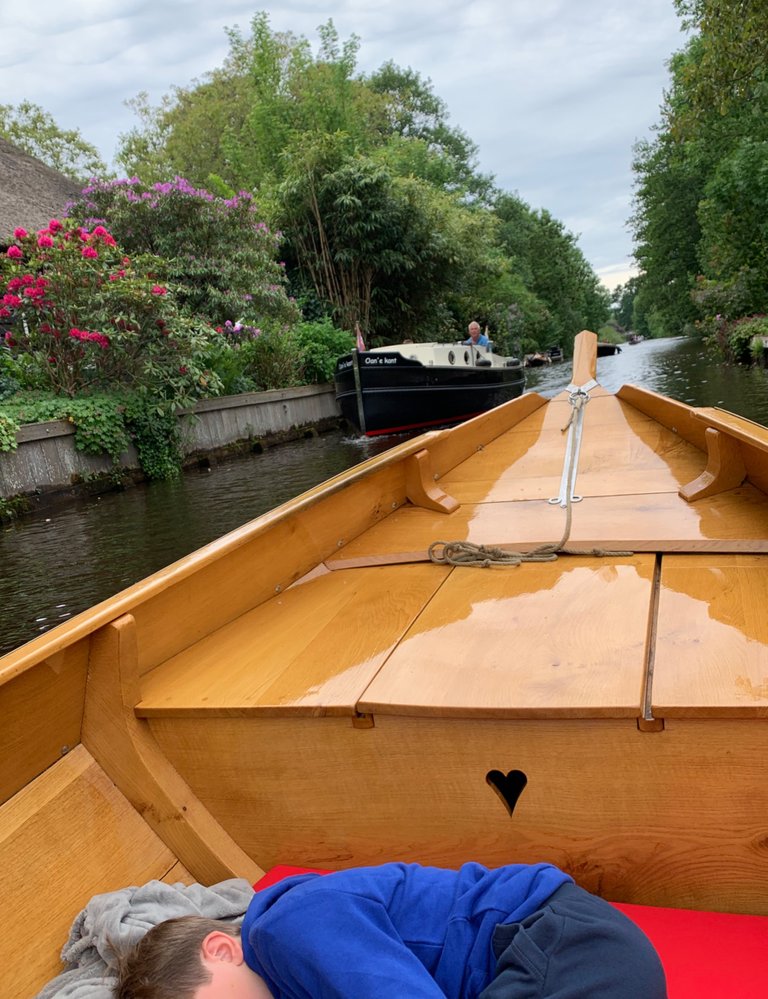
x=467 y=554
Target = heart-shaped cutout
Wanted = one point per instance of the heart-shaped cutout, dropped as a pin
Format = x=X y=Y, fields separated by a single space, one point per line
x=509 y=786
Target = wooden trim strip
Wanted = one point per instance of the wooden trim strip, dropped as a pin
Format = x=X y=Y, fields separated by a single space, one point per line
x=126 y=750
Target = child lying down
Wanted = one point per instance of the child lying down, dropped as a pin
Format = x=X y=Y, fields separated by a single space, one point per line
x=403 y=931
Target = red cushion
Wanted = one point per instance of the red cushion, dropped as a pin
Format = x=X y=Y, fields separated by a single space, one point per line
x=275 y=874
x=705 y=954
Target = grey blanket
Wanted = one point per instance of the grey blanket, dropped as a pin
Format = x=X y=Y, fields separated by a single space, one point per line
x=122 y=917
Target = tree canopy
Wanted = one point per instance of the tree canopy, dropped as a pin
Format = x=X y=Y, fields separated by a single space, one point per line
x=386 y=218
x=34 y=130
x=702 y=182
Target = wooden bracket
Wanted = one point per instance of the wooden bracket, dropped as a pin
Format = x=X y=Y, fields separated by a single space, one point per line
x=725 y=468
x=421 y=488
x=125 y=748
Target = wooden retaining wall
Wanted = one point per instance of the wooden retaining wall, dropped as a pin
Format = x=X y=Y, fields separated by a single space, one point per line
x=46 y=460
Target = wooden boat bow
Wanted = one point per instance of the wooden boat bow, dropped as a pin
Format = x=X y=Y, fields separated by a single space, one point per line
x=312 y=689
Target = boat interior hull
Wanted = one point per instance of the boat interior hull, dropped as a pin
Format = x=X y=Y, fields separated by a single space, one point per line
x=313 y=689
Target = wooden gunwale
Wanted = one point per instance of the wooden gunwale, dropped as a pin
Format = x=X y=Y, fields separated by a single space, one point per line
x=444 y=453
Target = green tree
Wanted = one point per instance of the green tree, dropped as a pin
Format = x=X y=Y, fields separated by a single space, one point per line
x=554 y=270
x=35 y=131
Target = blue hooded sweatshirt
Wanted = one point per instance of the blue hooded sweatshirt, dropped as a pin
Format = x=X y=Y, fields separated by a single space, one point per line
x=399 y=931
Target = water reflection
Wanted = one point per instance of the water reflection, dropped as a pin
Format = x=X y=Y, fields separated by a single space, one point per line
x=55 y=565
x=681 y=368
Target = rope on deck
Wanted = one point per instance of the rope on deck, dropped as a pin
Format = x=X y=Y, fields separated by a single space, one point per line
x=468 y=554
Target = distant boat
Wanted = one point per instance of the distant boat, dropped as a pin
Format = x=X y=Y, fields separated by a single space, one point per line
x=635 y=338
x=555 y=353
x=408 y=386
x=605 y=349
x=537 y=360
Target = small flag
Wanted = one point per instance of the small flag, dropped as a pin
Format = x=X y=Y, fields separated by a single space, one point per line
x=359 y=335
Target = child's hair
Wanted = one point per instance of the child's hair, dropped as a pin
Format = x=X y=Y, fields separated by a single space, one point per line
x=166 y=963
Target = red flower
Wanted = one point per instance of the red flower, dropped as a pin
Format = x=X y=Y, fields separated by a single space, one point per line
x=14 y=253
x=54 y=225
x=44 y=240
x=89 y=251
x=157 y=289
x=20 y=233
x=183 y=370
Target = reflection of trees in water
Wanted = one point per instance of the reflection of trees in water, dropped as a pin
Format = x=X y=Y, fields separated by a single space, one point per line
x=67 y=559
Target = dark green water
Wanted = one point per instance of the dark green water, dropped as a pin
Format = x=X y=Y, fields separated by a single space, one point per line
x=56 y=565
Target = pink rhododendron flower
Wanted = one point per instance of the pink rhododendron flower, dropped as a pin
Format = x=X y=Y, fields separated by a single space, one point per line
x=157 y=289
x=14 y=284
x=5 y=314
x=13 y=300
x=9 y=340
x=20 y=233
x=54 y=225
x=14 y=253
x=44 y=240
x=89 y=251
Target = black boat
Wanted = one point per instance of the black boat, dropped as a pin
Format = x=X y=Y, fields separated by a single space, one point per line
x=408 y=386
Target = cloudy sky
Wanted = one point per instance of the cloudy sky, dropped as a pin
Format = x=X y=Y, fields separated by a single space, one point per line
x=553 y=92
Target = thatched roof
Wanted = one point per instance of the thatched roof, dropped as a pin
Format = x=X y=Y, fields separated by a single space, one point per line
x=31 y=193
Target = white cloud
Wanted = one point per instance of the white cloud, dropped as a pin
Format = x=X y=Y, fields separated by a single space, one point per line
x=554 y=93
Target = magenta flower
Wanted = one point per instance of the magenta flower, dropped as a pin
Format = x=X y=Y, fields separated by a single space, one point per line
x=13 y=300
x=89 y=251
x=20 y=233
x=14 y=284
x=157 y=289
x=44 y=240
x=14 y=253
x=54 y=225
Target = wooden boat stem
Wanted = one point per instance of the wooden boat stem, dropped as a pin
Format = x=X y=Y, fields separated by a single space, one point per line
x=126 y=749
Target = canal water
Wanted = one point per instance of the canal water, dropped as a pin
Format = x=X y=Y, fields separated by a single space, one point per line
x=59 y=563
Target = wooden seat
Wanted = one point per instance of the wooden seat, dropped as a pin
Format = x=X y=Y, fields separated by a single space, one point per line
x=66 y=836
x=263 y=664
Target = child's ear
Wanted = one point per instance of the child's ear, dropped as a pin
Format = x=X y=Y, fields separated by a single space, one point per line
x=219 y=946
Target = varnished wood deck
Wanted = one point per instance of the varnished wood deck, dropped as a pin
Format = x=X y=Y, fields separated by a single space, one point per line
x=388 y=632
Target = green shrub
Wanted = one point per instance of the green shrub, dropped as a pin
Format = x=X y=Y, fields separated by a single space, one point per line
x=272 y=358
x=9 y=383
x=741 y=342
x=320 y=344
